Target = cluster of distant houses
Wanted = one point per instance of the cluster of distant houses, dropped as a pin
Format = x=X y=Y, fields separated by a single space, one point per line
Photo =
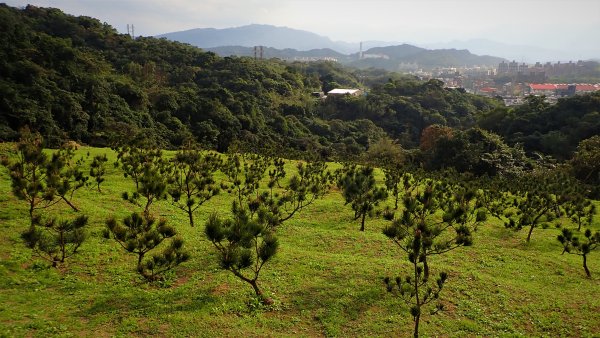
x=547 y=89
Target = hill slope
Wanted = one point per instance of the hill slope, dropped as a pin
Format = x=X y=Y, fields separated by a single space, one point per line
x=326 y=280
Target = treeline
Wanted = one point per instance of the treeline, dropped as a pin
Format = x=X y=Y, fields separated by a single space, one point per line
x=75 y=78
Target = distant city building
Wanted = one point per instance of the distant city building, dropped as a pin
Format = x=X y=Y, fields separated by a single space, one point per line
x=314 y=58
x=487 y=91
x=502 y=68
x=375 y=56
x=561 y=89
x=337 y=92
x=513 y=67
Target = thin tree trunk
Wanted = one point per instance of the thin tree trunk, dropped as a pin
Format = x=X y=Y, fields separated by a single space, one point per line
x=362 y=223
x=417 y=318
x=529 y=234
x=256 y=288
x=191 y=216
x=140 y=257
x=31 y=207
x=587 y=271
x=418 y=305
x=62 y=247
x=425 y=269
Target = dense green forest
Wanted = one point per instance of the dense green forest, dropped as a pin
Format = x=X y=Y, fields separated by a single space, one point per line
x=75 y=78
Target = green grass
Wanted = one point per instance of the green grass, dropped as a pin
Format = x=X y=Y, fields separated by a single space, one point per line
x=326 y=280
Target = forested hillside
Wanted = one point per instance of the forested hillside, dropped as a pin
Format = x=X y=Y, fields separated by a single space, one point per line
x=75 y=78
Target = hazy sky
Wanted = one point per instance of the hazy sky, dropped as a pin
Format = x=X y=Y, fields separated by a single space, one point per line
x=556 y=24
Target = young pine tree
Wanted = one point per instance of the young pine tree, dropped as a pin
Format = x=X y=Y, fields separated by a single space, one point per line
x=55 y=240
x=398 y=182
x=311 y=183
x=361 y=192
x=191 y=183
x=150 y=173
x=420 y=233
x=581 y=211
x=244 y=173
x=28 y=174
x=63 y=175
x=141 y=234
x=538 y=199
x=98 y=169
x=573 y=244
x=245 y=243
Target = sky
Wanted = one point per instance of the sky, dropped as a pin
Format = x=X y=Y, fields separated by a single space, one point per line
x=572 y=25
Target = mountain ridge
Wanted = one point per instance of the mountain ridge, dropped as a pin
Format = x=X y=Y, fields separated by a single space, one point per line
x=294 y=44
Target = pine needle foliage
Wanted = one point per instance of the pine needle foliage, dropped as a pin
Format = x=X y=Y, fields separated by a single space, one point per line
x=245 y=243
x=539 y=198
x=98 y=169
x=191 y=180
x=578 y=245
x=139 y=235
x=421 y=233
x=55 y=240
x=64 y=176
x=28 y=173
x=360 y=190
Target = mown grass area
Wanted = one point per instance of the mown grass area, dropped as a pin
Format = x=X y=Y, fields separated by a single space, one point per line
x=326 y=279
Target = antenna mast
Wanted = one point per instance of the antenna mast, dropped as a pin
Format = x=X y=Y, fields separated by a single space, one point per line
x=130 y=31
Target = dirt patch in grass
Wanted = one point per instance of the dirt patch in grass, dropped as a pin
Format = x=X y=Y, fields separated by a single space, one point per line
x=220 y=289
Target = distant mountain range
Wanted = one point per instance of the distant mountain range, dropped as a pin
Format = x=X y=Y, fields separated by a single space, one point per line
x=229 y=40
x=293 y=44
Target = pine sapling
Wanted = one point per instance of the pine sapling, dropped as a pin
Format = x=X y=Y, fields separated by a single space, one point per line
x=361 y=192
x=244 y=243
x=98 y=169
x=139 y=235
x=421 y=234
x=574 y=244
x=55 y=240
x=191 y=182
x=28 y=174
x=64 y=177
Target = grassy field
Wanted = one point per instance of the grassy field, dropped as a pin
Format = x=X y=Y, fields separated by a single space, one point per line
x=326 y=280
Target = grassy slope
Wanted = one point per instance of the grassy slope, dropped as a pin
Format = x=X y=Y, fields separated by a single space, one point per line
x=326 y=280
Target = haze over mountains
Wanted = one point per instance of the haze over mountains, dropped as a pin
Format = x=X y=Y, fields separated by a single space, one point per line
x=292 y=42
x=287 y=43
x=265 y=35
